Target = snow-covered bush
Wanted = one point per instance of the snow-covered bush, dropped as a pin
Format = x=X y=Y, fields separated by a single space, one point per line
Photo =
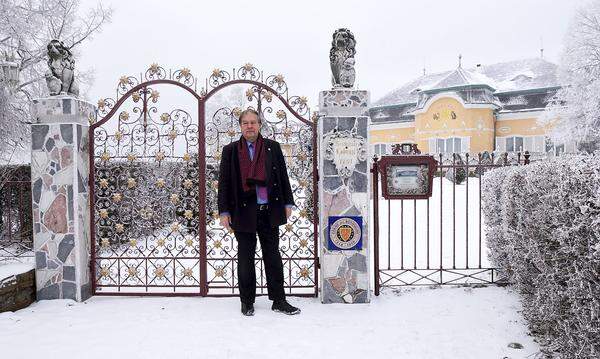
x=543 y=231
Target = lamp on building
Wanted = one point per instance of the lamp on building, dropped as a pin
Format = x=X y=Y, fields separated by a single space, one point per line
x=9 y=70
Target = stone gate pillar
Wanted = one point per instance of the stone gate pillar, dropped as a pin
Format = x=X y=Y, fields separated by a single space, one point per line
x=59 y=180
x=344 y=182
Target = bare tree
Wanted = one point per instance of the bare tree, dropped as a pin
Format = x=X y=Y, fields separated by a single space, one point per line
x=26 y=27
x=575 y=110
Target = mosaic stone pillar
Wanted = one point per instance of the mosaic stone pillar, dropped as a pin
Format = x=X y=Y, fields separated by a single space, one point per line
x=344 y=182
x=59 y=180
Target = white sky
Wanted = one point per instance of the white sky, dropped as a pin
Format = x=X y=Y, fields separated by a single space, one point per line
x=394 y=38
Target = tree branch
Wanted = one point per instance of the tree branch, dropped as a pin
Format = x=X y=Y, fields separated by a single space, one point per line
x=24 y=84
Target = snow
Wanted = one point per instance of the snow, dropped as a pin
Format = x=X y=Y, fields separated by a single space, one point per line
x=16 y=155
x=11 y=269
x=449 y=322
x=454 y=241
x=522 y=74
x=462 y=77
x=408 y=93
x=421 y=323
x=505 y=76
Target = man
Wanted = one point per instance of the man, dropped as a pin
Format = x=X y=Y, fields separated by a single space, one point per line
x=255 y=197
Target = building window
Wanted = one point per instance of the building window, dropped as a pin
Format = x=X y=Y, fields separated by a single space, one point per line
x=449 y=145
x=521 y=144
x=557 y=149
x=514 y=144
x=380 y=149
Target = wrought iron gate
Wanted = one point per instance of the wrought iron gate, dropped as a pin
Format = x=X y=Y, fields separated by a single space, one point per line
x=438 y=240
x=153 y=177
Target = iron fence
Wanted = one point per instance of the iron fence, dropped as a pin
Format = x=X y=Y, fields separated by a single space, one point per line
x=16 y=238
x=439 y=240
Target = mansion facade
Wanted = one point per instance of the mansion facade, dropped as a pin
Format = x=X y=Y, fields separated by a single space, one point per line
x=488 y=108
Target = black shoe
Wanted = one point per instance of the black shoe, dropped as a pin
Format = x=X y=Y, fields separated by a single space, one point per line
x=248 y=309
x=283 y=306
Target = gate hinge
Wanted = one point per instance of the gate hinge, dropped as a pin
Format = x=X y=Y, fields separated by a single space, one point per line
x=318 y=263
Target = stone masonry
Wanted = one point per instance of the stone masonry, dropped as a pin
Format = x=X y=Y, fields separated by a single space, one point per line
x=59 y=180
x=344 y=273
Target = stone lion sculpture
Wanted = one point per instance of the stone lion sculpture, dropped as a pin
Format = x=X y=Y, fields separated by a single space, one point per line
x=341 y=58
x=61 y=77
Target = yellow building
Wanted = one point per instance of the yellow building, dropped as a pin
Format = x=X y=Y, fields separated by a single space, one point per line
x=487 y=108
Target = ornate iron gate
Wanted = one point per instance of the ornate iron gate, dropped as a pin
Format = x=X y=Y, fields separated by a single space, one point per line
x=438 y=240
x=153 y=177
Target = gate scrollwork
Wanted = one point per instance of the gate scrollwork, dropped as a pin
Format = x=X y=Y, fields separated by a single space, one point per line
x=154 y=174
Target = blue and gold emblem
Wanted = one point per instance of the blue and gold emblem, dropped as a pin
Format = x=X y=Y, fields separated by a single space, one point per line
x=345 y=233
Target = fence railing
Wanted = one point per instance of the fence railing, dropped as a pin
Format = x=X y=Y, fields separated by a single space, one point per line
x=439 y=240
x=16 y=235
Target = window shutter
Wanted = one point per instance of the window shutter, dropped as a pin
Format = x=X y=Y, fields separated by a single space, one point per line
x=539 y=144
x=465 y=144
x=528 y=144
x=449 y=145
x=501 y=144
x=519 y=144
x=432 y=148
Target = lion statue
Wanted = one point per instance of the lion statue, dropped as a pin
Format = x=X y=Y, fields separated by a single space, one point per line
x=61 y=77
x=341 y=58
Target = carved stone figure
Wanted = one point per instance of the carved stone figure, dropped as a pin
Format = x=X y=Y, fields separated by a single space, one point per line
x=341 y=58
x=61 y=77
x=486 y=163
x=347 y=73
x=457 y=173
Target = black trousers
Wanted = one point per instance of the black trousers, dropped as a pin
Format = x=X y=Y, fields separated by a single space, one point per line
x=269 y=244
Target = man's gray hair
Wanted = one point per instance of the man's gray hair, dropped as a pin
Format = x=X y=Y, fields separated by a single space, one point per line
x=247 y=111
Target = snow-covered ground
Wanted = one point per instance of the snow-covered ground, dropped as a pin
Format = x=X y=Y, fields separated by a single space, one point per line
x=11 y=269
x=447 y=228
x=422 y=323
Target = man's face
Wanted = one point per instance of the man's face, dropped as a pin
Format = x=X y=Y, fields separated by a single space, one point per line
x=250 y=126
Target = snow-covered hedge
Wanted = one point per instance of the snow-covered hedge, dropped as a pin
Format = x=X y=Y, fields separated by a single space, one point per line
x=543 y=232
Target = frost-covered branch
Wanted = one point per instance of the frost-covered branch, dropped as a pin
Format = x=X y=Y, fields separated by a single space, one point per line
x=575 y=110
x=26 y=27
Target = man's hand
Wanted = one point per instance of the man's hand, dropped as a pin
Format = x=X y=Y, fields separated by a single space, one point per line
x=225 y=220
x=288 y=212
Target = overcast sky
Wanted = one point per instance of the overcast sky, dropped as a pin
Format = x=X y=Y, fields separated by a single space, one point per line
x=395 y=39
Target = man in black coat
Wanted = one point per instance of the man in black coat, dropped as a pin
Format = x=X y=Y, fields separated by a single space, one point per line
x=255 y=198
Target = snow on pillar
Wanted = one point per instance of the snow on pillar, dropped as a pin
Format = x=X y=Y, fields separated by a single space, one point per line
x=59 y=182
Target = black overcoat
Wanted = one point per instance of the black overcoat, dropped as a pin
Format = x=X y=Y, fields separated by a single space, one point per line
x=242 y=206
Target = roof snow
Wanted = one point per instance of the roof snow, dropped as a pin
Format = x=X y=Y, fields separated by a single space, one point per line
x=410 y=92
x=462 y=77
x=503 y=77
